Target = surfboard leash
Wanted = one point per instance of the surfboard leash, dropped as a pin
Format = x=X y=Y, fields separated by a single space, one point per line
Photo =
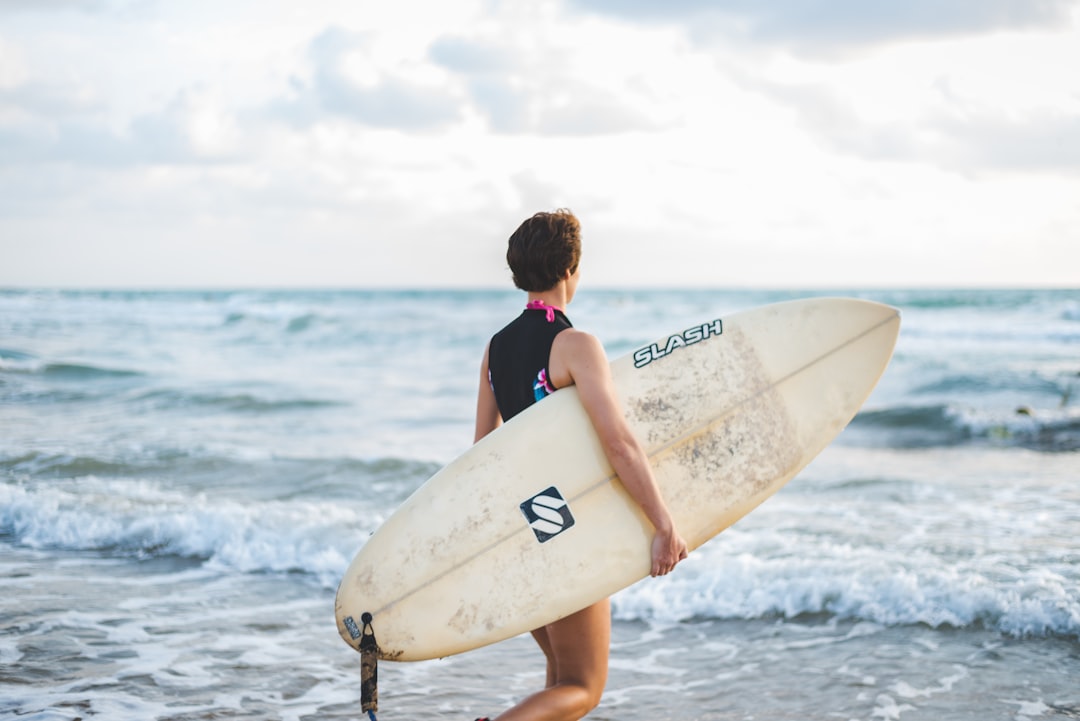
x=369 y=668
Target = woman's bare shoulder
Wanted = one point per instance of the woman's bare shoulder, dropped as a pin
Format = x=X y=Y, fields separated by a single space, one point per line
x=578 y=342
x=576 y=356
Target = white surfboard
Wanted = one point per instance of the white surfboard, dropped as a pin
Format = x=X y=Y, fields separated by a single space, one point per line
x=531 y=524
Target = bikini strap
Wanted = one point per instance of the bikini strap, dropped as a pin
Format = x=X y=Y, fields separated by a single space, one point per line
x=541 y=305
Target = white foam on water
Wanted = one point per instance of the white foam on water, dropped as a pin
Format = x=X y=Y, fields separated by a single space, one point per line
x=926 y=562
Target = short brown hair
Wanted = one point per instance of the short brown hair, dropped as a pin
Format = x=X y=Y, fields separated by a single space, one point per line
x=543 y=248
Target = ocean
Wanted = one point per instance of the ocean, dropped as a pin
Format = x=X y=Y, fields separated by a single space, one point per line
x=184 y=477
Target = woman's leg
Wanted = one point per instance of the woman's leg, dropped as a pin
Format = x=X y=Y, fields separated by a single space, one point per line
x=577 y=650
x=541 y=637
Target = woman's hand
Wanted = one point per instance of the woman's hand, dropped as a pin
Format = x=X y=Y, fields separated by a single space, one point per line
x=668 y=548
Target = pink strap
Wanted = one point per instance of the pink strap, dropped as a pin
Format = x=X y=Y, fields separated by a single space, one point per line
x=541 y=305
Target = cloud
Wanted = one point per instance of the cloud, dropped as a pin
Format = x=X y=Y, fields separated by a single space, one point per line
x=339 y=144
x=1040 y=142
x=951 y=133
x=824 y=25
x=474 y=57
x=14 y=6
x=54 y=124
x=347 y=82
x=523 y=91
x=517 y=106
x=133 y=9
x=24 y=98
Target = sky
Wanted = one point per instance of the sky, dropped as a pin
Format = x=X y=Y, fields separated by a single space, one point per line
x=705 y=143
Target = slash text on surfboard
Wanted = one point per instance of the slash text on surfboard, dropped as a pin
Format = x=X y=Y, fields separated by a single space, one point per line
x=690 y=336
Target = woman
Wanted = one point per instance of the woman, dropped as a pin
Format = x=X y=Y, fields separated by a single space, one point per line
x=530 y=358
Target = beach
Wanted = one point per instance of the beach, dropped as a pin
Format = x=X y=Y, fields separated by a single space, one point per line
x=185 y=475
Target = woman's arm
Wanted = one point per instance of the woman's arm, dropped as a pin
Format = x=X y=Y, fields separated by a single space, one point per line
x=579 y=358
x=487 y=411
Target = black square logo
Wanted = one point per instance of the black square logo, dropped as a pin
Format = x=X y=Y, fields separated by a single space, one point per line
x=548 y=514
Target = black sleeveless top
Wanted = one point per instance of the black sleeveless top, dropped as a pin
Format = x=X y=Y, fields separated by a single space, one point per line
x=518 y=359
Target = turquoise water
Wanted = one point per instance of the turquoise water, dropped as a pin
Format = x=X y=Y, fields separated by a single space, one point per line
x=185 y=475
